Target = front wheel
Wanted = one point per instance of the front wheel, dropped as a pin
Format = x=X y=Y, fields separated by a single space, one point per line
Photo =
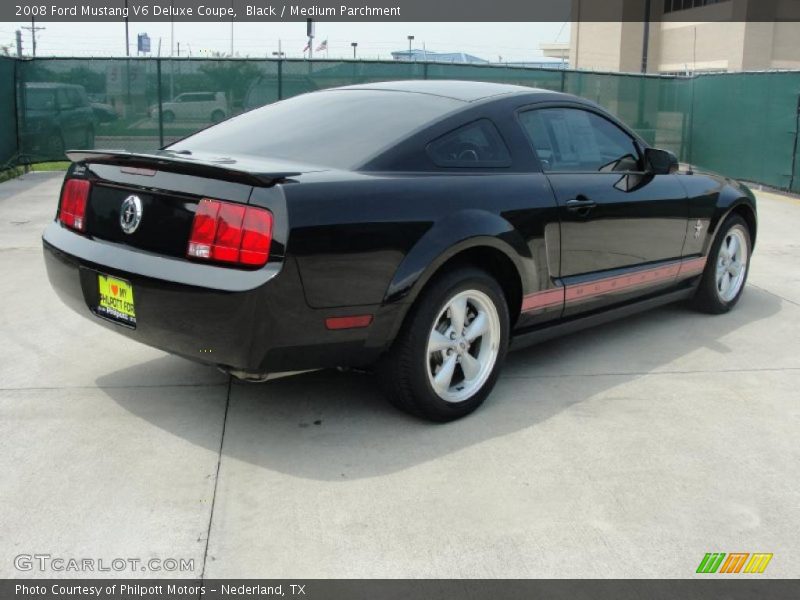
x=448 y=355
x=726 y=269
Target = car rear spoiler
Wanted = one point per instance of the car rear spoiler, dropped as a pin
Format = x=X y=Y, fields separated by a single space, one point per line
x=250 y=172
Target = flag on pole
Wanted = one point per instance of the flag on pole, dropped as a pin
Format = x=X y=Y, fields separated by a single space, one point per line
x=307 y=48
x=322 y=46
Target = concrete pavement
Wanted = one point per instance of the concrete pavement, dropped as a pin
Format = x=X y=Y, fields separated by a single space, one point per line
x=629 y=450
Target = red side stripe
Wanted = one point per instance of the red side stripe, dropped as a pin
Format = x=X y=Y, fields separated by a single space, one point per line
x=692 y=266
x=578 y=292
x=543 y=299
x=621 y=282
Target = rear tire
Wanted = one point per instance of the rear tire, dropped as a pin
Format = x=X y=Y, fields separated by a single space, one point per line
x=168 y=116
x=447 y=357
x=217 y=116
x=727 y=267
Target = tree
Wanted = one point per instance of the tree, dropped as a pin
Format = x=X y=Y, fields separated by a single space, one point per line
x=233 y=77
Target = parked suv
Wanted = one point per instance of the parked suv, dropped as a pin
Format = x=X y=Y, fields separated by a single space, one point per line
x=194 y=106
x=56 y=116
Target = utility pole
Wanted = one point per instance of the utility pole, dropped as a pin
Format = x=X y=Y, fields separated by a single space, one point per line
x=127 y=39
x=354 y=45
x=19 y=44
x=231 y=29
x=33 y=29
x=310 y=34
x=410 y=39
x=646 y=36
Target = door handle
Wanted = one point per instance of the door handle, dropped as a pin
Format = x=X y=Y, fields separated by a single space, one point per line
x=580 y=204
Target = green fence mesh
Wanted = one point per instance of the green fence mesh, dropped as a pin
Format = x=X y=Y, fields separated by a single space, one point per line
x=743 y=125
x=8 y=110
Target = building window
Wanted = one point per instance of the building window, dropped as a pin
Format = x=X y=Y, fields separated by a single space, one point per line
x=674 y=5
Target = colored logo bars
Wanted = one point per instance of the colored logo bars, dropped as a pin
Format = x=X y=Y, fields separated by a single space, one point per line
x=714 y=562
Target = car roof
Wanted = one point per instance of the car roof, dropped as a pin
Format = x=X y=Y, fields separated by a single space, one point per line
x=465 y=91
x=50 y=85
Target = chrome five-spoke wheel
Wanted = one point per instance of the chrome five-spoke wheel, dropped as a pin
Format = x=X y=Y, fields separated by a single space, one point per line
x=451 y=348
x=731 y=264
x=463 y=346
x=725 y=272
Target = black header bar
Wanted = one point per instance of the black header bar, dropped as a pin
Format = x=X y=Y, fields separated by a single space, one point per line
x=402 y=10
x=702 y=588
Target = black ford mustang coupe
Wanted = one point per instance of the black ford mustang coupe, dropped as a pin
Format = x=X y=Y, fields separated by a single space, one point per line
x=419 y=227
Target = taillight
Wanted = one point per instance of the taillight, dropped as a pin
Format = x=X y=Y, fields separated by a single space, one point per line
x=72 y=212
x=230 y=233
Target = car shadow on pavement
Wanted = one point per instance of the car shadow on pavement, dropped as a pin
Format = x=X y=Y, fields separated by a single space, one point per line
x=336 y=426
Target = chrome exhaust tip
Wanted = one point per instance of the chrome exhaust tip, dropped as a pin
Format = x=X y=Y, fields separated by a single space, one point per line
x=255 y=377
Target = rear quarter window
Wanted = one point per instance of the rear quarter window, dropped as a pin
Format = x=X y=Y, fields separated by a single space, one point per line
x=475 y=145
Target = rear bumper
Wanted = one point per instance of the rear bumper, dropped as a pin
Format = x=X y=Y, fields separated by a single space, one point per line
x=255 y=321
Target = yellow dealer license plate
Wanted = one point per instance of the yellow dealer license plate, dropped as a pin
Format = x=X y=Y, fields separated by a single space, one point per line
x=116 y=300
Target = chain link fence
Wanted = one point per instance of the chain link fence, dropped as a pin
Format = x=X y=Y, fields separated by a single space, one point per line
x=744 y=125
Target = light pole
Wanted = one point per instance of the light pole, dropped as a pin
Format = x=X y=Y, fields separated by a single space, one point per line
x=171 y=28
x=231 y=29
x=410 y=39
x=354 y=45
x=127 y=39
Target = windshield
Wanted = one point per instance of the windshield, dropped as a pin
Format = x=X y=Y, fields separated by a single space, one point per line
x=340 y=129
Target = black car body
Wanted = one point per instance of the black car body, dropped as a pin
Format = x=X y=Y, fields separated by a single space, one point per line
x=374 y=192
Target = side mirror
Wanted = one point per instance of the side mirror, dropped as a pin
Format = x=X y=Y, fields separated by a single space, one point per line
x=660 y=162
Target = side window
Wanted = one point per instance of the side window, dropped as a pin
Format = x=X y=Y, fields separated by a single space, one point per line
x=477 y=144
x=571 y=139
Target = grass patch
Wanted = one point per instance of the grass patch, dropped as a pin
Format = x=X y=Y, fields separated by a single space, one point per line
x=6 y=174
x=61 y=165
x=14 y=172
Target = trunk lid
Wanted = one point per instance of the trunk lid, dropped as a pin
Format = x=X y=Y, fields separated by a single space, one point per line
x=169 y=188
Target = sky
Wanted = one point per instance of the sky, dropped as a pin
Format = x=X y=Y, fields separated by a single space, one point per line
x=502 y=42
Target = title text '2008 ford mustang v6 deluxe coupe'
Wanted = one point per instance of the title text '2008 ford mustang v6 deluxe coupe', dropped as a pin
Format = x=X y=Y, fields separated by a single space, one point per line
x=418 y=227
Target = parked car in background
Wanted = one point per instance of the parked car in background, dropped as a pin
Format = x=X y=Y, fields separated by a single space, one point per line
x=104 y=113
x=420 y=227
x=194 y=106
x=56 y=116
